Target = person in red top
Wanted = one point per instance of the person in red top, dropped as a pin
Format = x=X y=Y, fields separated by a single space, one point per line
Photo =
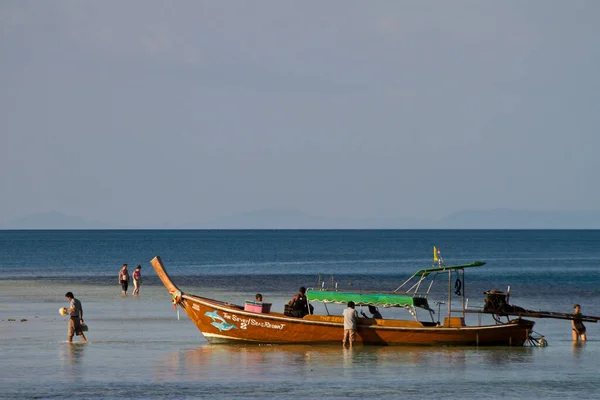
x=137 y=280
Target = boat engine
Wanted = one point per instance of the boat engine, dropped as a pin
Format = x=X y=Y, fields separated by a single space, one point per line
x=496 y=303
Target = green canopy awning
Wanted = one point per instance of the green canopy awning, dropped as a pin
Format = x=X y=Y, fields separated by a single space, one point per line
x=363 y=299
x=425 y=272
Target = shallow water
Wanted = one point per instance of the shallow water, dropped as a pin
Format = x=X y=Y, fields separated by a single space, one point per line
x=138 y=348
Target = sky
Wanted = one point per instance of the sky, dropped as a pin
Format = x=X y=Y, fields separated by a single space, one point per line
x=150 y=112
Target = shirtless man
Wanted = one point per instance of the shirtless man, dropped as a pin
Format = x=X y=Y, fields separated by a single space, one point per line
x=124 y=279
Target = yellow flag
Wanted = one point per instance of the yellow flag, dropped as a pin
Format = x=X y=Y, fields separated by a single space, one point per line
x=435 y=257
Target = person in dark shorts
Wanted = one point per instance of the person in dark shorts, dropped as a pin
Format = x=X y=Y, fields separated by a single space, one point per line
x=76 y=318
x=124 y=279
x=578 y=327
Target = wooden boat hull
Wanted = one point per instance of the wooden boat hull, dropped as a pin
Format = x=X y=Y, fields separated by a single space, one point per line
x=222 y=322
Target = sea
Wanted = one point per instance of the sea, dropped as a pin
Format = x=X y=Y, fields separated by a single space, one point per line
x=140 y=347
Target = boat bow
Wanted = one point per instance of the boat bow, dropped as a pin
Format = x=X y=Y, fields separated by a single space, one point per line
x=157 y=264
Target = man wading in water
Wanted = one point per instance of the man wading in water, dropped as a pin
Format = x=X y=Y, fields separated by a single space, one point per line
x=577 y=324
x=76 y=313
x=124 y=279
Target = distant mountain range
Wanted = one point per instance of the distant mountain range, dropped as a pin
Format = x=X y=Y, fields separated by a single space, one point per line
x=521 y=219
x=53 y=220
x=295 y=219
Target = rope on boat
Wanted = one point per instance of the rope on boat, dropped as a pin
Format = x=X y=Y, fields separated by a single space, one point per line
x=176 y=299
x=457 y=286
x=536 y=340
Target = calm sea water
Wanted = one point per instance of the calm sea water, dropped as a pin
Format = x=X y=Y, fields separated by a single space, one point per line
x=138 y=348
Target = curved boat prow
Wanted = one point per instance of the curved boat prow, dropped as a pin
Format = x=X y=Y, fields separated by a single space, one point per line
x=162 y=274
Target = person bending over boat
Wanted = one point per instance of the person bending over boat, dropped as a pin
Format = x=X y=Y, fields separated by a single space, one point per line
x=298 y=306
x=373 y=310
x=578 y=327
x=350 y=319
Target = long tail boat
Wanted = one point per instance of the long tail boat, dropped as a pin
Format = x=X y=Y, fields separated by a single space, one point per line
x=224 y=322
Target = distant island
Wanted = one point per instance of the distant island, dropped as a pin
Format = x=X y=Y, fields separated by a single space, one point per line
x=52 y=220
x=295 y=219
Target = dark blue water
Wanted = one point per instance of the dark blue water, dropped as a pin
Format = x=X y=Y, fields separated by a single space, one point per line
x=139 y=349
x=532 y=261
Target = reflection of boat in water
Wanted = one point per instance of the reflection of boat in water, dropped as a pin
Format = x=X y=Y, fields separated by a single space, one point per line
x=259 y=361
x=224 y=322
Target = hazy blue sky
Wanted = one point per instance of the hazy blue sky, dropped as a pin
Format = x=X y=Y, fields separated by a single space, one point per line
x=144 y=112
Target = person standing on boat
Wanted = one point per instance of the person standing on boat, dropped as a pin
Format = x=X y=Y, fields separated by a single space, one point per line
x=124 y=279
x=137 y=280
x=578 y=327
x=350 y=320
x=299 y=304
x=76 y=318
x=258 y=297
